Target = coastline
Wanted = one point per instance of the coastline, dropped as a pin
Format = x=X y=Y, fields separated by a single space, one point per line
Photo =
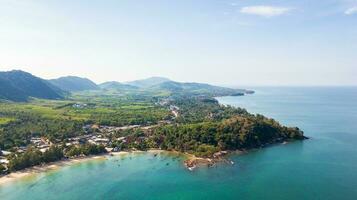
x=14 y=176
x=191 y=162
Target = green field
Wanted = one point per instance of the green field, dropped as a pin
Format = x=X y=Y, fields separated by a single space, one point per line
x=60 y=119
x=5 y=120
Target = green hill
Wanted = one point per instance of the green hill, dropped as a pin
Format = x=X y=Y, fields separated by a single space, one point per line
x=18 y=85
x=177 y=88
x=74 y=83
x=163 y=85
x=114 y=85
x=148 y=82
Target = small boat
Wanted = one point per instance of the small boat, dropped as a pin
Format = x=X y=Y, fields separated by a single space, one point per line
x=191 y=168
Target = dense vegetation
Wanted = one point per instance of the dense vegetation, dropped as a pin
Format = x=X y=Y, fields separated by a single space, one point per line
x=86 y=149
x=204 y=109
x=205 y=127
x=2 y=169
x=206 y=138
x=34 y=157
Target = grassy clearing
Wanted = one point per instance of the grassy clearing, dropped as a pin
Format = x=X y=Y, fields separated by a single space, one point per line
x=5 y=120
x=108 y=110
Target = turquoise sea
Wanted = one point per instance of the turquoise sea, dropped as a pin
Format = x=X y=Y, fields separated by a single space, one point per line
x=323 y=167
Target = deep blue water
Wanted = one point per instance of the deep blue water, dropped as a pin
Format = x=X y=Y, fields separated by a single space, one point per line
x=323 y=167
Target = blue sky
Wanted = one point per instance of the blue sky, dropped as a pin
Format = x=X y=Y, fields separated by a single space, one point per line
x=242 y=42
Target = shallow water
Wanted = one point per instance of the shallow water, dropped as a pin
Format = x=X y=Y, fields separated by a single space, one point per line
x=323 y=167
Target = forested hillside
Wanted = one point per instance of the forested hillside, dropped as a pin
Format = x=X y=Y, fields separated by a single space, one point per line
x=73 y=83
x=19 y=86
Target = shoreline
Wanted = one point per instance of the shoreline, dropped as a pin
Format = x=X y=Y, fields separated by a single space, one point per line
x=14 y=176
x=35 y=170
x=191 y=162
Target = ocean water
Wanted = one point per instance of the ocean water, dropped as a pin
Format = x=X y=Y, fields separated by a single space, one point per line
x=323 y=167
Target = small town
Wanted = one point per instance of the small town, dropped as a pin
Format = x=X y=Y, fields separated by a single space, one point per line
x=107 y=136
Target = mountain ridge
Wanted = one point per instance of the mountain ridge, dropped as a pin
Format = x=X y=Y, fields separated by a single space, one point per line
x=148 y=82
x=17 y=85
x=116 y=85
x=194 y=88
x=74 y=83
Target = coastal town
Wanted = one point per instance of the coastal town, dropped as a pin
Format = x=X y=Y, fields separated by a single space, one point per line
x=110 y=137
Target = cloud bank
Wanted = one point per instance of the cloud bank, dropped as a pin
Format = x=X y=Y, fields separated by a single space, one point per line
x=265 y=11
x=351 y=11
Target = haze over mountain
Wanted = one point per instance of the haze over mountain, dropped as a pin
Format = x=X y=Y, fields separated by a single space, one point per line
x=74 y=83
x=196 y=89
x=18 y=85
x=148 y=82
x=116 y=86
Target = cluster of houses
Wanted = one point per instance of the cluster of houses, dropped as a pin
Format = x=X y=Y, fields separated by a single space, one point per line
x=40 y=143
x=113 y=129
x=165 y=101
x=103 y=135
x=174 y=110
x=79 y=105
x=98 y=135
x=3 y=159
x=168 y=102
x=95 y=134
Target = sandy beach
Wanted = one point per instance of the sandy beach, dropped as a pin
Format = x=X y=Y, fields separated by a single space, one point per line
x=195 y=161
x=56 y=165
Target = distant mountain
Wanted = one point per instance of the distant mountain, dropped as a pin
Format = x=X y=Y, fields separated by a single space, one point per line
x=74 y=83
x=18 y=85
x=117 y=86
x=196 y=89
x=149 y=82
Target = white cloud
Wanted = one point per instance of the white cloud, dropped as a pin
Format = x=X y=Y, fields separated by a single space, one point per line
x=265 y=11
x=351 y=11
